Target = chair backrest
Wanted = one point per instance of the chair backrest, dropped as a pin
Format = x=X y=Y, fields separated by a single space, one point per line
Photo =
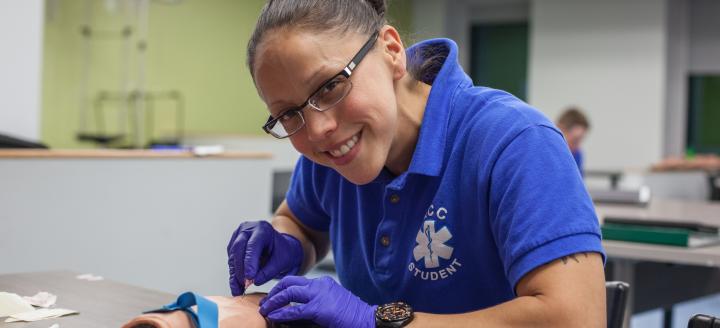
x=704 y=321
x=616 y=296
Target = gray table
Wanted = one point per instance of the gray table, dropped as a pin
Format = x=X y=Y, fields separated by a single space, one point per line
x=671 y=211
x=664 y=275
x=100 y=303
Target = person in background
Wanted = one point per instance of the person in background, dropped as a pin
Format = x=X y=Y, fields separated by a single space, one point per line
x=574 y=126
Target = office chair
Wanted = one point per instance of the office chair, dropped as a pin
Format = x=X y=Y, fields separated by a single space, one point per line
x=704 y=321
x=616 y=298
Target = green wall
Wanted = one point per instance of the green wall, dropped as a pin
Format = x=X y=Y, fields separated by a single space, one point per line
x=703 y=134
x=499 y=56
x=400 y=16
x=196 y=47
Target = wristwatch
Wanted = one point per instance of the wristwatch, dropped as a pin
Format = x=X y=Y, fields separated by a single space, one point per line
x=393 y=315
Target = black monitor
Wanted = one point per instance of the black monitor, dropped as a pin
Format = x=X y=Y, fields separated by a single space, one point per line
x=7 y=141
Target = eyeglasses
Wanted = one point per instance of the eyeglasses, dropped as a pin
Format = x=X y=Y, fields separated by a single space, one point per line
x=329 y=94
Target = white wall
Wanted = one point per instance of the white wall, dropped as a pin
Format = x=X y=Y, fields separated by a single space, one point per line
x=21 y=30
x=693 y=48
x=678 y=56
x=428 y=19
x=608 y=57
x=705 y=36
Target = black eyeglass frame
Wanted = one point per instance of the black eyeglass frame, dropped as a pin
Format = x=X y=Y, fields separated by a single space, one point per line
x=346 y=72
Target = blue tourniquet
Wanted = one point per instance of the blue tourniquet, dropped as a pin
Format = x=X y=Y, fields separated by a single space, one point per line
x=207 y=311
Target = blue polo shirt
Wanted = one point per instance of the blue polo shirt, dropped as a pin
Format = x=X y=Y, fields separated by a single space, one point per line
x=491 y=193
x=578 y=157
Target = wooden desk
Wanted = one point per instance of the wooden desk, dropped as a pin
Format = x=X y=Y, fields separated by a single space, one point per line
x=100 y=303
x=122 y=154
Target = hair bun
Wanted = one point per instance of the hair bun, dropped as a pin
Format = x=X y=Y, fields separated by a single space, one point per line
x=378 y=5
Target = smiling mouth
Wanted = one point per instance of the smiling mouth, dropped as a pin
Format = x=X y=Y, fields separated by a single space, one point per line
x=345 y=148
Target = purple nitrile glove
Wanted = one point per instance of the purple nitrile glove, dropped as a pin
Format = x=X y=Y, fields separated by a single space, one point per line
x=281 y=255
x=321 y=300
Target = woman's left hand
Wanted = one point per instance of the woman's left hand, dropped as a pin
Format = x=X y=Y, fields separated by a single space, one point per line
x=320 y=300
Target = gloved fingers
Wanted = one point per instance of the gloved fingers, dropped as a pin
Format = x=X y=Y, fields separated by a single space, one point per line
x=290 y=313
x=271 y=270
x=295 y=294
x=284 y=283
x=287 y=261
x=236 y=258
x=236 y=289
x=232 y=239
x=275 y=267
x=259 y=240
x=243 y=227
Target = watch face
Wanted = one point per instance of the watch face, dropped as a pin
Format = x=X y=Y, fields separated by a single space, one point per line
x=393 y=312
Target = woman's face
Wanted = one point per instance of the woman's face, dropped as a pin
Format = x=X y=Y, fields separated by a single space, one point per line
x=353 y=137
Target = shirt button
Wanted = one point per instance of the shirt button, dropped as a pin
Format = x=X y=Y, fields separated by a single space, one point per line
x=394 y=199
x=385 y=241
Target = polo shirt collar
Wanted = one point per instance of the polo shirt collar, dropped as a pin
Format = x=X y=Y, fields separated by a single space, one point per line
x=429 y=156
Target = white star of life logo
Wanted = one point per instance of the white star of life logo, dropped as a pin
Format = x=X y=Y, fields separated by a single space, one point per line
x=431 y=245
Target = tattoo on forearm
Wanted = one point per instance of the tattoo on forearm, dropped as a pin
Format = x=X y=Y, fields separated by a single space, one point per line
x=564 y=259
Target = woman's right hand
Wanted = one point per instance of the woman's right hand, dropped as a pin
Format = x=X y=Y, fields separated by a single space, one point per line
x=257 y=252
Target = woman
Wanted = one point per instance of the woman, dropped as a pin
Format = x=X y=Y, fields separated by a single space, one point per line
x=457 y=201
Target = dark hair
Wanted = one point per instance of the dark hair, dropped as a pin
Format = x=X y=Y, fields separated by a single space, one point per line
x=339 y=16
x=573 y=117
